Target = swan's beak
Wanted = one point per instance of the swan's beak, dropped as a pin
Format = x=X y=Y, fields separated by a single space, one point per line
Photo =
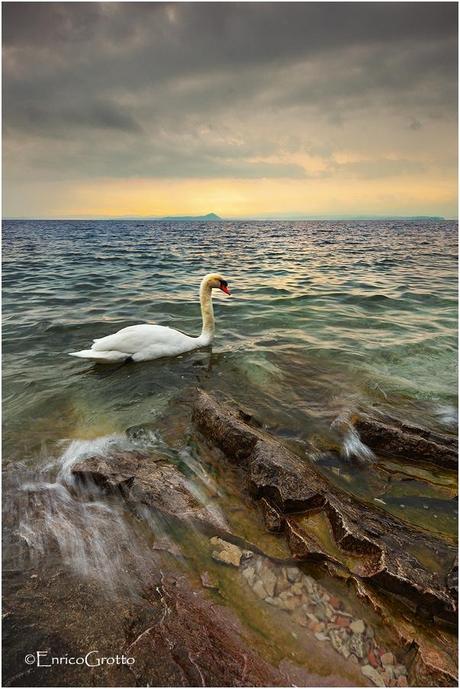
x=225 y=289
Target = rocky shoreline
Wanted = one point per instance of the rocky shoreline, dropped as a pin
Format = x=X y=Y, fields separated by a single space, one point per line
x=311 y=606
x=345 y=582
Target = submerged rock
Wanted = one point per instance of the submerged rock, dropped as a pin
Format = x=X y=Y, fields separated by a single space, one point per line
x=390 y=437
x=147 y=482
x=227 y=553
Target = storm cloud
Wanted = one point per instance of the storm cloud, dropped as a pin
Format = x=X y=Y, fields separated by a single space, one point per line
x=219 y=91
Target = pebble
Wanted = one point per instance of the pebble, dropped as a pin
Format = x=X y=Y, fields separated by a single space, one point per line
x=293 y=574
x=400 y=670
x=269 y=580
x=259 y=589
x=322 y=613
x=321 y=637
x=341 y=621
x=373 y=675
x=249 y=573
x=335 y=602
x=387 y=659
x=357 y=626
x=228 y=553
x=372 y=658
x=339 y=643
x=357 y=645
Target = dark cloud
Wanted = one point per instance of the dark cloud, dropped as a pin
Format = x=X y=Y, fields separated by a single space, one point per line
x=218 y=89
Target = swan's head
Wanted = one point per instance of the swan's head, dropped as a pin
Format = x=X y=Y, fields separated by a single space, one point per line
x=216 y=281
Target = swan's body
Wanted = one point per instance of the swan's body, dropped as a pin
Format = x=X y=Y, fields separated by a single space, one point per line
x=144 y=342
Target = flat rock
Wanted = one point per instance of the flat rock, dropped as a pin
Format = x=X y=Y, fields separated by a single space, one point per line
x=225 y=552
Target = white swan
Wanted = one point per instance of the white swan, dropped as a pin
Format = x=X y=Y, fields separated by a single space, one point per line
x=144 y=342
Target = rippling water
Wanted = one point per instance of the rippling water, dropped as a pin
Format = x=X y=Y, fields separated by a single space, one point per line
x=324 y=317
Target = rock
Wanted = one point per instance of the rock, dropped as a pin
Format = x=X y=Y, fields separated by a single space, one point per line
x=339 y=643
x=228 y=553
x=335 y=602
x=319 y=627
x=400 y=670
x=208 y=581
x=321 y=637
x=387 y=659
x=269 y=580
x=357 y=645
x=293 y=574
x=144 y=481
x=341 y=621
x=309 y=583
x=358 y=627
x=259 y=589
x=373 y=675
x=249 y=574
x=401 y=681
x=282 y=584
x=372 y=658
x=390 y=437
x=297 y=589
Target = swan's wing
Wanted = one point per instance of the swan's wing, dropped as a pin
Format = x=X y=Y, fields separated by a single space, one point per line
x=136 y=338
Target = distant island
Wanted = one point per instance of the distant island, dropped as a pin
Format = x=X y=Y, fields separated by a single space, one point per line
x=179 y=218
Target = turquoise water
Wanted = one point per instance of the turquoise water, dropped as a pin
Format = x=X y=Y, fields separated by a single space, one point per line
x=324 y=317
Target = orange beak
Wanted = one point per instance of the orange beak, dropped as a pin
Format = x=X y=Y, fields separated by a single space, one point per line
x=225 y=289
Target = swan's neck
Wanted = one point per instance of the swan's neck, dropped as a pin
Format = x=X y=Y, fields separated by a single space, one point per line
x=207 y=313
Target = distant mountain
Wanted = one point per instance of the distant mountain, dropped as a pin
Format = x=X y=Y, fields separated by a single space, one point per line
x=179 y=218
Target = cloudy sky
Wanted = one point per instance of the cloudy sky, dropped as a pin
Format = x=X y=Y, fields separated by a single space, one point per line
x=244 y=109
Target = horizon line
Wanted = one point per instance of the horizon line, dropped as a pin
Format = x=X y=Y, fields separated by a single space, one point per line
x=242 y=217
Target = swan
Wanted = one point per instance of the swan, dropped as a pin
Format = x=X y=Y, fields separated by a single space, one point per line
x=145 y=342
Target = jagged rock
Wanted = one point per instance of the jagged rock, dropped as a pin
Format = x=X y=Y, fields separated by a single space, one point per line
x=388 y=436
x=144 y=481
x=380 y=551
x=382 y=546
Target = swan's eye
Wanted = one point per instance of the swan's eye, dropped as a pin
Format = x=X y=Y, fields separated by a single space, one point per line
x=223 y=285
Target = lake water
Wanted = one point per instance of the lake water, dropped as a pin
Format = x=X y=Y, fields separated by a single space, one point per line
x=324 y=318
